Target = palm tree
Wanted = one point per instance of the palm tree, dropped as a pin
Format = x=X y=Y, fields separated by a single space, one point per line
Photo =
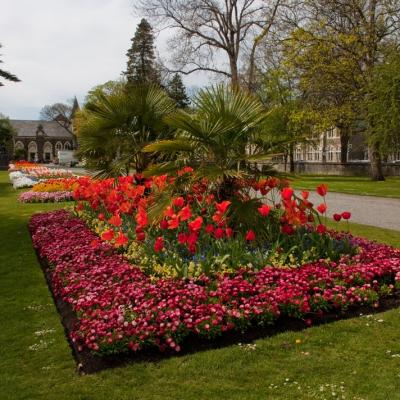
x=115 y=125
x=222 y=140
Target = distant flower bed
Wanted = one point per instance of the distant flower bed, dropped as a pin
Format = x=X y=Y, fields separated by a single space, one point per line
x=57 y=185
x=25 y=175
x=45 y=197
x=119 y=308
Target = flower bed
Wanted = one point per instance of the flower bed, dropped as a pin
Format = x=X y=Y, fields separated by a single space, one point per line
x=120 y=309
x=45 y=197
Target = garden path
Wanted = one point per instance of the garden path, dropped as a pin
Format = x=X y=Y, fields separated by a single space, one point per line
x=368 y=210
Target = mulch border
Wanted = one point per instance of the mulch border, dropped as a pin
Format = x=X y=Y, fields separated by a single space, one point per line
x=90 y=363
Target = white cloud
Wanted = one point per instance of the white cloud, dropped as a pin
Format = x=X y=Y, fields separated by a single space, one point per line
x=62 y=48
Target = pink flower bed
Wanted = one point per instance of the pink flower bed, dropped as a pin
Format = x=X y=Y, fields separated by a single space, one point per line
x=45 y=197
x=119 y=308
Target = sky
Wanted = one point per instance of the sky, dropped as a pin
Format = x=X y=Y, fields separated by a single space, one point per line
x=62 y=48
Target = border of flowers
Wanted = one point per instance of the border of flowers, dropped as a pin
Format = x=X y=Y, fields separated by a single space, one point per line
x=74 y=247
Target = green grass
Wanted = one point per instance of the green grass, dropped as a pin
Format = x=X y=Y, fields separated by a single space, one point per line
x=355 y=352
x=350 y=184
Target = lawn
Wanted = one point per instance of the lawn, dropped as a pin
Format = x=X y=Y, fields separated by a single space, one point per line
x=352 y=185
x=358 y=358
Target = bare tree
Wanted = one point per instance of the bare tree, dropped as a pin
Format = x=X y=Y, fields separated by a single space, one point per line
x=211 y=35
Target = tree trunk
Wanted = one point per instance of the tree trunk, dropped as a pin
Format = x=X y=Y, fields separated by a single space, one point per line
x=291 y=158
x=234 y=71
x=344 y=145
x=376 y=164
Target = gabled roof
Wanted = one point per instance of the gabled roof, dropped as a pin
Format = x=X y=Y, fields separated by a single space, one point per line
x=51 y=129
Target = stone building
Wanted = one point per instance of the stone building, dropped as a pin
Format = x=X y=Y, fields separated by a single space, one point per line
x=39 y=141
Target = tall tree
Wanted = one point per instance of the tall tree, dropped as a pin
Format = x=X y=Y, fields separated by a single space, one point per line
x=361 y=28
x=7 y=75
x=141 y=65
x=6 y=130
x=177 y=91
x=207 y=31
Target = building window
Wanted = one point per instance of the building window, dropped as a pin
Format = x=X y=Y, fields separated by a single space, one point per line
x=67 y=146
x=59 y=146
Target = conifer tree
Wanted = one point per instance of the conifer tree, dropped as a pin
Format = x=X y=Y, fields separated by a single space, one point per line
x=141 y=65
x=7 y=75
x=177 y=91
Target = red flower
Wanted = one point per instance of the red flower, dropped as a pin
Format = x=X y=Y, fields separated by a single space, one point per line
x=121 y=240
x=229 y=232
x=178 y=202
x=337 y=217
x=250 y=236
x=173 y=223
x=164 y=224
x=287 y=193
x=101 y=217
x=108 y=235
x=264 y=210
x=322 y=208
x=140 y=236
x=196 y=224
x=159 y=244
x=321 y=229
x=346 y=215
x=115 y=220
x=305 y=194
x=182 y=238
x=219 y=233
x=210 y=229
x=222 y=207
x=322 y=190
x=141 y=217
x=185 y=213
x=287 y=229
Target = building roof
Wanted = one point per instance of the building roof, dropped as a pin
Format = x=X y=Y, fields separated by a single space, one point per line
x=51 y=129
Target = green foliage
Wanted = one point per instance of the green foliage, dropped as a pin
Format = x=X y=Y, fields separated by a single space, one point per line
x=384 y=104
x=141 y=65
x=222 y=139
x=6 y=130
x=177 y=91
x=115 y=125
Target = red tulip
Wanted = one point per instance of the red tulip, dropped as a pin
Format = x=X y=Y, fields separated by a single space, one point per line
x=185 y=213
x=121 y=240
x=264 y=210
x=140 y=236
x=108 y=235
x=196 y=224
x=164 y=224
x=321 y=229
x=250 y=236
x=173 y=223
x=178 y=202
x=219 y=233
x=322 y=208
x=210 y=229
x=229 y=232
x=346 y=215
x=287 y=193
x=159 y=244
x=322 y=190
x=222 y=207
x=115 y=220
x=305 y=194
x=287 y=229
x=182 y=238
x=337 y=217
